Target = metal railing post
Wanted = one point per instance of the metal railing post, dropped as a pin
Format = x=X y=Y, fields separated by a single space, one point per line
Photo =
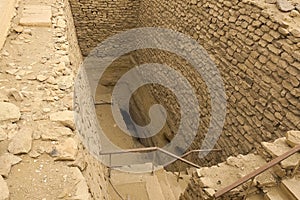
x=179 y=172
x=109 y=169
x=153 y=160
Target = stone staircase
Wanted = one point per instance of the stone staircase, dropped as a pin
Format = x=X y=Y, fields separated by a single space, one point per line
x=281 y=182
x=160 y=185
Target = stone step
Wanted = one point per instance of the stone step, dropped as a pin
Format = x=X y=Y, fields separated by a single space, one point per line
x=153 y=188
x=255 y=197
x=177 y=187
x=137 y=185
x=275 y=193
x=164 y=184
x=291 y=187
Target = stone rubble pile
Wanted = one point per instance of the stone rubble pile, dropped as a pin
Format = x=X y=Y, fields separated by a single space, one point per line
x=212 y=179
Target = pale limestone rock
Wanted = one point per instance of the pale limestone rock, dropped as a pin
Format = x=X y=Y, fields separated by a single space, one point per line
x=7 y=160
x=36 y=15
x=61 y=23
x=285 y=6
x=271 y=1
x=18 y=29
x=16 y=94
x=50 y=133
x=21 y=142
x=279 y=147
x=66 y=118
x=67 y=150
x=4 y=192
x=81 y=188
x=65 y=82
x=79 y=162
x=3 y=134
x=9 y=112
x=41 y=78
x=294 y=13
x=293 y=138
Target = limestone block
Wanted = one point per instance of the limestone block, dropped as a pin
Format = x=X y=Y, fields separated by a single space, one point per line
x=9 y=112
x=36 y=15
x=293 y=138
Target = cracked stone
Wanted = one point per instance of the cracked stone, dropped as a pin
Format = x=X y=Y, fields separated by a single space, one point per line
x=9 y=112
x=6 y=162
x=21 y=141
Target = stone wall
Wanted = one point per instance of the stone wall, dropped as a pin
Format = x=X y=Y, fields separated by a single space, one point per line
x=257 y=56
x=7 y=12
x=256 y=53
x=94 y=171
x=97 y=20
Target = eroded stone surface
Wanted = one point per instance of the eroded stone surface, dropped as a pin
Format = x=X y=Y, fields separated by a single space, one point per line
x=67 y=150
x=65 y=117
x=36 y=15
x=7 y=160
x=82 y=190
x=21 y=141
x=9 y=112
x=293 y=138
x=285 y=5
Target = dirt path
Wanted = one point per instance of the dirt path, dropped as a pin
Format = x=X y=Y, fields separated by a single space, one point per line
x=37 y=144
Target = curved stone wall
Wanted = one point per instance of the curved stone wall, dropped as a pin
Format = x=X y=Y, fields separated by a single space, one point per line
x=256 y=53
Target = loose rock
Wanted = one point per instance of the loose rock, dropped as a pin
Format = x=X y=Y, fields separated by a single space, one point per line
x=55 y=133
x=6 y=162
x=66 y=118
x=67 y=150
x=82 y=190
x=293 y=138
x=9 y=112
x=4 y=192
x=21 y=142
x=284 y=5
x=18 y=29
x=16 y=94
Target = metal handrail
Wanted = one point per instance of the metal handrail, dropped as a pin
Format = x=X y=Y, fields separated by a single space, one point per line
x=139 y=150
x=257 y=172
